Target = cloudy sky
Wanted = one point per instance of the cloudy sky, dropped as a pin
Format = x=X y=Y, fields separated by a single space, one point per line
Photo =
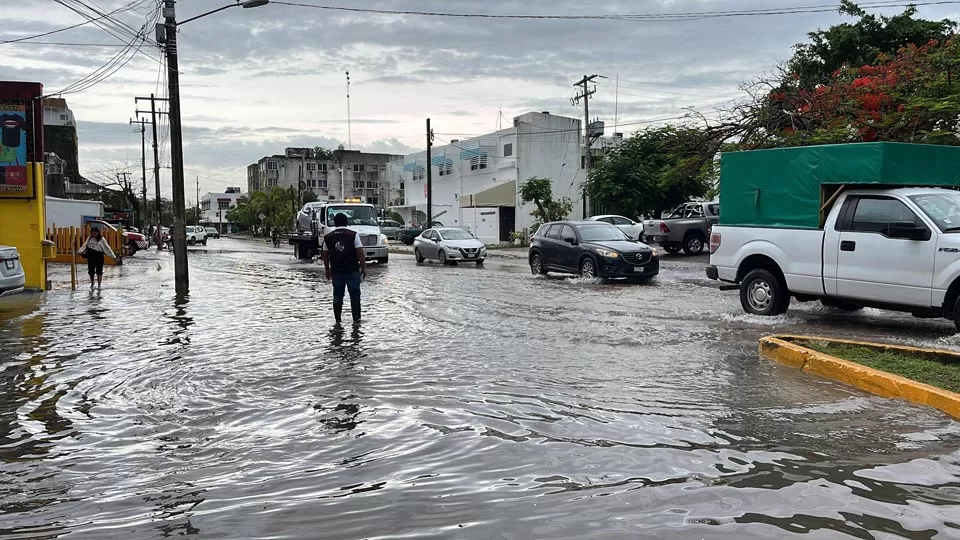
x=254 y=81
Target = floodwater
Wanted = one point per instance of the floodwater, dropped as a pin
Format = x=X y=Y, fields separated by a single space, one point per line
x=475 y=403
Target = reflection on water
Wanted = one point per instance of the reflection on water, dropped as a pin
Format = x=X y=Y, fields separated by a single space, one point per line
x=470 y=403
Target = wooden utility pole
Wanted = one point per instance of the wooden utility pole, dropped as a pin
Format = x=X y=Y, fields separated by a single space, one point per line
x=156 y=162
x=143 y=163
x=429 y=176
x=585 y=94
x=179 y=232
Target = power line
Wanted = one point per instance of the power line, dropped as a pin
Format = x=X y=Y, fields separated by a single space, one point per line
x=71 y=27
x=669 y=17
x=65 y=44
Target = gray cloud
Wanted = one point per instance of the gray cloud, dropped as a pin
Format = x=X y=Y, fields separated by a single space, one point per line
x=255 y=81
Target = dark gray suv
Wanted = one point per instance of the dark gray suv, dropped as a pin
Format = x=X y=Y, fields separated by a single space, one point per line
x=591 y=249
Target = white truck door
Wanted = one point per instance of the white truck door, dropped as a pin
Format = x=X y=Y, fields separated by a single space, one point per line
x=873 y=266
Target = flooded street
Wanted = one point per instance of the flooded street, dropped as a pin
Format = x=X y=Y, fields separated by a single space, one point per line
x=472 y=402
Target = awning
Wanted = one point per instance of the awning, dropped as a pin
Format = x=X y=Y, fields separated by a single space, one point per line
x=500 y=195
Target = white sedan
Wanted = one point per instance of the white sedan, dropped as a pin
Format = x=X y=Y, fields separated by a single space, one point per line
x=631 y=228
x=449 y=245
x=12 y=278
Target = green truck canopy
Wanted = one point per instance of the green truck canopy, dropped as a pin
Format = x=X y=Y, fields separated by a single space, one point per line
x=786 y=187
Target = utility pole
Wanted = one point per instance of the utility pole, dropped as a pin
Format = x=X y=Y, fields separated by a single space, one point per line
x=349 y=136
x=143 y=163
x=156 y=161
x=429 y=176
x=198 y=201
x=179 y=232
x=585 y=94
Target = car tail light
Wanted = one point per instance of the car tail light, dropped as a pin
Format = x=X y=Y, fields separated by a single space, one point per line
x=663 y=228
x=714 y=242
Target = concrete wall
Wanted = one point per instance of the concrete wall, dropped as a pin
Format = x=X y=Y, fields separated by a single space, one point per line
x=548 y=146
x=484 y=223
x=23 y=227
x=69 y=212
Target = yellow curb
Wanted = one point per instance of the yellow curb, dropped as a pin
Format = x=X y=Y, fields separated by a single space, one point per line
x=782 y=349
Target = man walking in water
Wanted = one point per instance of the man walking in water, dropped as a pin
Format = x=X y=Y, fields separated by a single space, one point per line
x=344 y=261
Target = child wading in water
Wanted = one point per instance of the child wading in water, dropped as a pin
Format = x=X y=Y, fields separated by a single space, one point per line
x=94 y=250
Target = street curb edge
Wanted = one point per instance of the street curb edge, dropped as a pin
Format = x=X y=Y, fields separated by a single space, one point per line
x=783 y=350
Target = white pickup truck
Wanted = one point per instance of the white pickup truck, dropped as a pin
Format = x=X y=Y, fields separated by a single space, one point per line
x=896 y=249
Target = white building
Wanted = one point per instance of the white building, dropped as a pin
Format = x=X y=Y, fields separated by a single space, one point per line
x=476 y=180
x=342 y=173
x=214 y=208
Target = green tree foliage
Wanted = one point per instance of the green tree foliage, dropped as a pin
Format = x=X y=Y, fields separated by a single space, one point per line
x=860 y=43
x=322 y=153
x=277 y=206
x=654 y=170
x=879 y=79
x=540 y=192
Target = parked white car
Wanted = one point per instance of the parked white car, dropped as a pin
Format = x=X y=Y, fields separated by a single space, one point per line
x=12 y=278
x=449 y=245
x=196 y=235
x=631 y=228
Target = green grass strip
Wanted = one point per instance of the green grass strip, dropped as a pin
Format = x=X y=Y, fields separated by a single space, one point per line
x=925 y=370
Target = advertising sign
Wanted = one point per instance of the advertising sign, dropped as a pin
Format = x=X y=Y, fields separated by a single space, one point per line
x=13 y=151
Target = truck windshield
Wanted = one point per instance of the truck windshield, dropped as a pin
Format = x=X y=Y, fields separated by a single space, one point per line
x=600 y=233
x=356 y=215
x=942 y=208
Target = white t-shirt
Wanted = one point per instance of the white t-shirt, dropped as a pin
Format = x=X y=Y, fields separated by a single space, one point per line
x=356 y=240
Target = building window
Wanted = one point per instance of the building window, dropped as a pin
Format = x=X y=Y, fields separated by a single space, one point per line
x=322 y=184
x=63 y=117
x=222 y=204
x=478 y=162
x=372 y=185
x=322 y=167
x=358 y=185
x=271 y=165
x=508 y=150
x=358 y=167
x=271 y=182
x=311 y=166
x=205 y=205
x=445 y=169
x=401 y=186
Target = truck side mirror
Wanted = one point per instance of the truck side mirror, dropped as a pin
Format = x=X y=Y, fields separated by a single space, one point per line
x=905 y=230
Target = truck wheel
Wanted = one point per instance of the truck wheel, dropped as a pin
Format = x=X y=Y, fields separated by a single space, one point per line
x=383 y=260
x=762 y=293
x=693 y=243
x=842 y=305
x=673 y=249
x=133 y=248
x=956 y=314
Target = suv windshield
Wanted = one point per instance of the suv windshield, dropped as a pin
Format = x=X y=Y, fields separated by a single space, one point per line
x=356 y=215
x=455 y=234
x=600 y=233
x=942 y=208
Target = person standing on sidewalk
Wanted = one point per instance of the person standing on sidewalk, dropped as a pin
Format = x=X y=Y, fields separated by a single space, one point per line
x=344 y=262
x=94 y=249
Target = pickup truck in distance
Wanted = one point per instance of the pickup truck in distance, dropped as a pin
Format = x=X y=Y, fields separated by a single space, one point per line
x=686 y=227
x=889 y=248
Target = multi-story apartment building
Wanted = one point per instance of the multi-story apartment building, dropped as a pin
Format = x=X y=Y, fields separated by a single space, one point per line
x=476 y=181
x=332 y=175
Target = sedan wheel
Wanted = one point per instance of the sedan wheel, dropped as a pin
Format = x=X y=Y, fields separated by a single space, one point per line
x=443 y=257
x=418 y=255
x=588 y=269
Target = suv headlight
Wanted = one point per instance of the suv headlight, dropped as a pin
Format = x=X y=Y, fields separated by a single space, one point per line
x=383 y=239
x=608 y=253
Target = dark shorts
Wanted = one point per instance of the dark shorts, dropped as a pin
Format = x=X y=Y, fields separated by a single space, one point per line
x=94 y=262
x=350 y=282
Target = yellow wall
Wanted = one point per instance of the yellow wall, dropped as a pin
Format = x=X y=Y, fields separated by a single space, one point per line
x=22 y=223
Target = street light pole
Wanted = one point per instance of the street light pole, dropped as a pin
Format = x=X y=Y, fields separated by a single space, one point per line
x=179 y=232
